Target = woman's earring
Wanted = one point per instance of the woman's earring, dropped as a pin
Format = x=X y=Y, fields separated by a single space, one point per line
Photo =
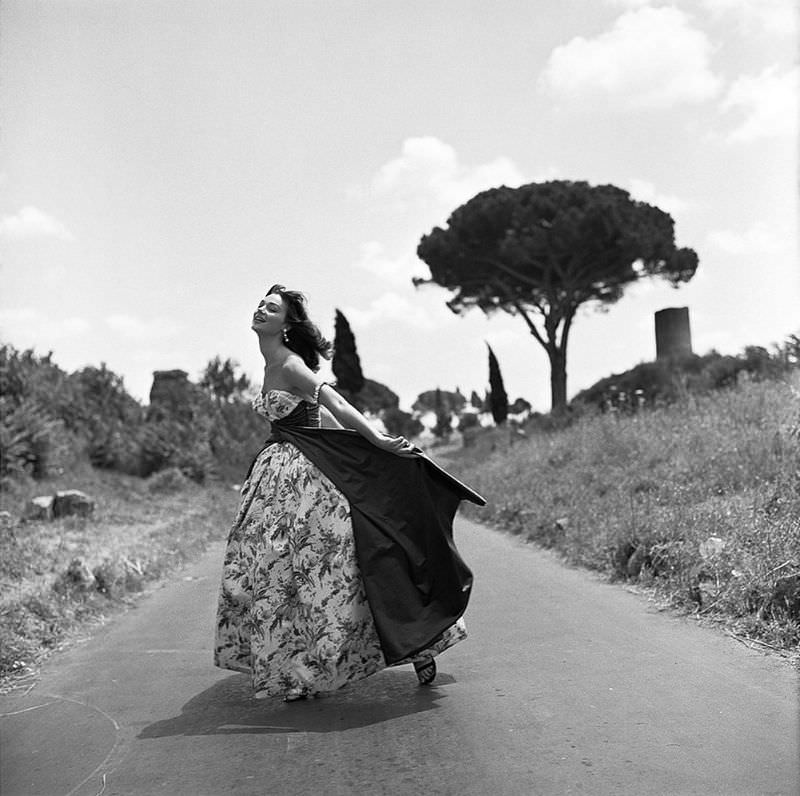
x=285 y=335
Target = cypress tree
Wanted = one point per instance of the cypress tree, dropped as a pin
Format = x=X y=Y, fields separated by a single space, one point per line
x=497 y=392
x=346 y=365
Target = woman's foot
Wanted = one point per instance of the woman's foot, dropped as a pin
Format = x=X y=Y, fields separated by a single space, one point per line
x=296 y=694
x=426 y=671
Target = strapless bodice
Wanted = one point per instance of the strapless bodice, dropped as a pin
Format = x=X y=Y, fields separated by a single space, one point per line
x=286 y=408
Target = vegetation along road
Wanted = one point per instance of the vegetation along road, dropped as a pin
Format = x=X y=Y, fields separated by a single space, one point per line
x=566 y=685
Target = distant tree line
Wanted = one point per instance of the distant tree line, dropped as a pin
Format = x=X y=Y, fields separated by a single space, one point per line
x=378 y=400
x=51 y=420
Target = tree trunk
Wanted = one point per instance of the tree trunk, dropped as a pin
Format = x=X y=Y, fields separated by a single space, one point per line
x=558 y=379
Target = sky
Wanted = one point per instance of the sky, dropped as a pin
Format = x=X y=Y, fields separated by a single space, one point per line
x=163 y=163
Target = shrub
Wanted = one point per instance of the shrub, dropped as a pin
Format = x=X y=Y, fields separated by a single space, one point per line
x=26 y=434
x=401 y=423
x=656 y=383
x=169 y=443
x=169 y=480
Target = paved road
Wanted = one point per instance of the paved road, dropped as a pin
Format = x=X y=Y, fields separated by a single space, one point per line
x=566 y=685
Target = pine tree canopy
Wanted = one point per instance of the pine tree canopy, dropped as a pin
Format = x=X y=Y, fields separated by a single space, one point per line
x=542 y=250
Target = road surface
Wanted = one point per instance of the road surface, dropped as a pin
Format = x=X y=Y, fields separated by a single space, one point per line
x=567 y=685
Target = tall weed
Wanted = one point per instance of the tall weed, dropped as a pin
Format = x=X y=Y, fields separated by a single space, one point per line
x=699 y=500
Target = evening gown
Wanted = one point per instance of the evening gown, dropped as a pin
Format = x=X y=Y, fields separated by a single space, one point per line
x=295 y=610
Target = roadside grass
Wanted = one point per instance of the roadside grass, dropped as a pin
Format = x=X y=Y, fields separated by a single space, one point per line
x=697 y=502
x=58 y=577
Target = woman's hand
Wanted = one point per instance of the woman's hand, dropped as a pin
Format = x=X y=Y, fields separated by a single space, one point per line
x=397 y=445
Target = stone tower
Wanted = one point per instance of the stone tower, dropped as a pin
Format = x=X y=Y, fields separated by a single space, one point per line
x=170 y=395
x=673 y=335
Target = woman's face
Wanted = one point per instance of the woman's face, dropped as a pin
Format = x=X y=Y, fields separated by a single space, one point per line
x=270 y=315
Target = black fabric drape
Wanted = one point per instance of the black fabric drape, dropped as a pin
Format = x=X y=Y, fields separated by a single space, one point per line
x=402 y=511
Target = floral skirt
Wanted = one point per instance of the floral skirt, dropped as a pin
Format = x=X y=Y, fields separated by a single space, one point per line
x=292 y=609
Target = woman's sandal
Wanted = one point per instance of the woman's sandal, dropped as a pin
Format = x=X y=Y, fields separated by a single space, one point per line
x=426 y=671
x=296 y=695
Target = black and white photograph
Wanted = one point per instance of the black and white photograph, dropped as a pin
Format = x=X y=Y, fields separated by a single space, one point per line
x=399 y=397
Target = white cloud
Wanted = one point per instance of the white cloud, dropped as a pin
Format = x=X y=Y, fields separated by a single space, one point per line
x=424 y=184
x=132 y=327
x=771 y=16
x=749 y=16
x=30 y=222
x=645 y=191
x=627 y=3
x=429 y=175
x=651 y=58
x=768 y=102
x=25 y=326
x=75 y=326
x=508 y=338
x=394 y=307
x=397 y=270
x=704 y=341
x=757 y=239
x=24 y=316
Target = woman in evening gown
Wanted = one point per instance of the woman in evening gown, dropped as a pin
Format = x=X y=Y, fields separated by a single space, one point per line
x=340 y=560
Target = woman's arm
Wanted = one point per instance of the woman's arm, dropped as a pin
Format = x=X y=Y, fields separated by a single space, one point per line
x=308 y=385
x=327 y=420
x=349 y=416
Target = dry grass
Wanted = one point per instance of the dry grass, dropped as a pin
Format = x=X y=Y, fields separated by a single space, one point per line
x=699 y=502
x=55 y=577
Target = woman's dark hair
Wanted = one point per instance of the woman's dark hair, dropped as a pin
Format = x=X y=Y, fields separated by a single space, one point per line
x=302 y=335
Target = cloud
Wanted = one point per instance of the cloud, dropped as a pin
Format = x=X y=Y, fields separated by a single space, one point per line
x=26 y=326
x=396 y=270
x=429 y=175
x=132 y=327
x=749 y=16
x=30 y=222
x=394 y=307
x=507 y=338
x=768 y=102
x=770 y=16
x=652 y=58
x=755 y=240
x=424 y=184
x=644 y=191
x=627 y=3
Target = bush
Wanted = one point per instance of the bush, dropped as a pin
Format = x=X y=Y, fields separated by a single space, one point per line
x=169 y=480
x=50 y=420
x=28 y=435
x=169 y=443
x=652 y=384
x=236 y=434
x=400 y=423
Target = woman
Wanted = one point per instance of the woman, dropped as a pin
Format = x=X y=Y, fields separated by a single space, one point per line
x=340 y=560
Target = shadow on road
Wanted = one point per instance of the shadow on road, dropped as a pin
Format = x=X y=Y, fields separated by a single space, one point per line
x=229 y=708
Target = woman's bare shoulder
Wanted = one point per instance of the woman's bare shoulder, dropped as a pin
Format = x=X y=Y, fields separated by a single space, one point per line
x=294 y=365
x=303 y=380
